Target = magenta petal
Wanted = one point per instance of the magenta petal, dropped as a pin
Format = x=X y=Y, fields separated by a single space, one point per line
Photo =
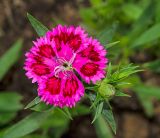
x=52 y=60
x=61 y=92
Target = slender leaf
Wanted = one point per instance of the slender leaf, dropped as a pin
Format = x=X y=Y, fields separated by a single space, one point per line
x=145 y=95
x=37 y=25
x=41 y=107
x=6 y=117
x=10 y=58
x=80 y=110
x=111 y=44
x=133 y=11
x=98 y=111
x=27 y=125
x=102 y=128
x=153 y=65
x=143 y=21
x=157 y=11
x=148 y=91
x=119 y=93
x=107 y=34
x=36 y=101
x=146 y=104
x=148 y=36
x=10 y=101
x=58 y=122
x=108 y=116
x=66 y=112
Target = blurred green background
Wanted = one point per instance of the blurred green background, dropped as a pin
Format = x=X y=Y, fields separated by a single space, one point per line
x=133 y=26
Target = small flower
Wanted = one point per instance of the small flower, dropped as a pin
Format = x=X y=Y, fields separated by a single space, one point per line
x=55 y=60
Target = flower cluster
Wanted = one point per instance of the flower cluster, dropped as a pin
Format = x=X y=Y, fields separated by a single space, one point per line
x=60 y=59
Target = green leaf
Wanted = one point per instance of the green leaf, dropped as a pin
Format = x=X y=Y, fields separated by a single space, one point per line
x=27 y=125
x=147 y=104
x=107 y=46
x=109 y=70
x=92 y=88
x=123 y=72
x=58 y=122
x=10 y=101
x=6 y=117
x=91 y=95
x=143 y=21
x=59 y=131
x=146 y=94
x=102 y=128
x=95 y=3
x=41 y=107
x=107 y=34
x=98 y=111
x=37 y=25
x=36 y=101
x=57 y=119
x=35 y=136
x=148 y=91
x=108 y=116
x=149 y=35
x=119 y=93
x=153 y=65
x=80 y=110
x=123 y=83
x=10 y=58
x=133 y=11
x=66 y=112
x=157 y=11
x=87 y=14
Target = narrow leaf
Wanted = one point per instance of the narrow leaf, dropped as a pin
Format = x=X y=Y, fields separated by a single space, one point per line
x=102 y=128
x=37 y=25
x=148 y=91
x=41 y=107
x=108 y=116
x=36 y=101
x=66 y=112
x=6 y=117
x=27 y=125
x=107 y=34
x=148 y=36
x=146 y=94
x=109 y=70
x=146 y=104
x=119 y=93
x=10 y=101
x=133 y=11
x=80 y=110
x=98 y=111
x=10 y=58
x=107 y=46
x=153 y=65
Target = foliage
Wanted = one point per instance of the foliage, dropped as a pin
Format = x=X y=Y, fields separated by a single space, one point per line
x=9 y=58
x=9 y=100
x=136 y=26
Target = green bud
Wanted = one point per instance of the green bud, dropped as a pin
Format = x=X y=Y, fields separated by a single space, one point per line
x=106 y=90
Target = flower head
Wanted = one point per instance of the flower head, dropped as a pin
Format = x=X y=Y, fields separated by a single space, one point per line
x=54 y=59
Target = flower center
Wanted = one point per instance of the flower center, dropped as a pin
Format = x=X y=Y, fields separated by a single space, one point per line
x=64 y=66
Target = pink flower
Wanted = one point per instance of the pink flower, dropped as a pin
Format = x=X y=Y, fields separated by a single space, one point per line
x=55 y=60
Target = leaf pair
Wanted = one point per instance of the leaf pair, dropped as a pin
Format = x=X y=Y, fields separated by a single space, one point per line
x=34 y=120
x=102 y=109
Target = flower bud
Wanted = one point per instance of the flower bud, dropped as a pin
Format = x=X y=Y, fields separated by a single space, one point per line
x=106 y=90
